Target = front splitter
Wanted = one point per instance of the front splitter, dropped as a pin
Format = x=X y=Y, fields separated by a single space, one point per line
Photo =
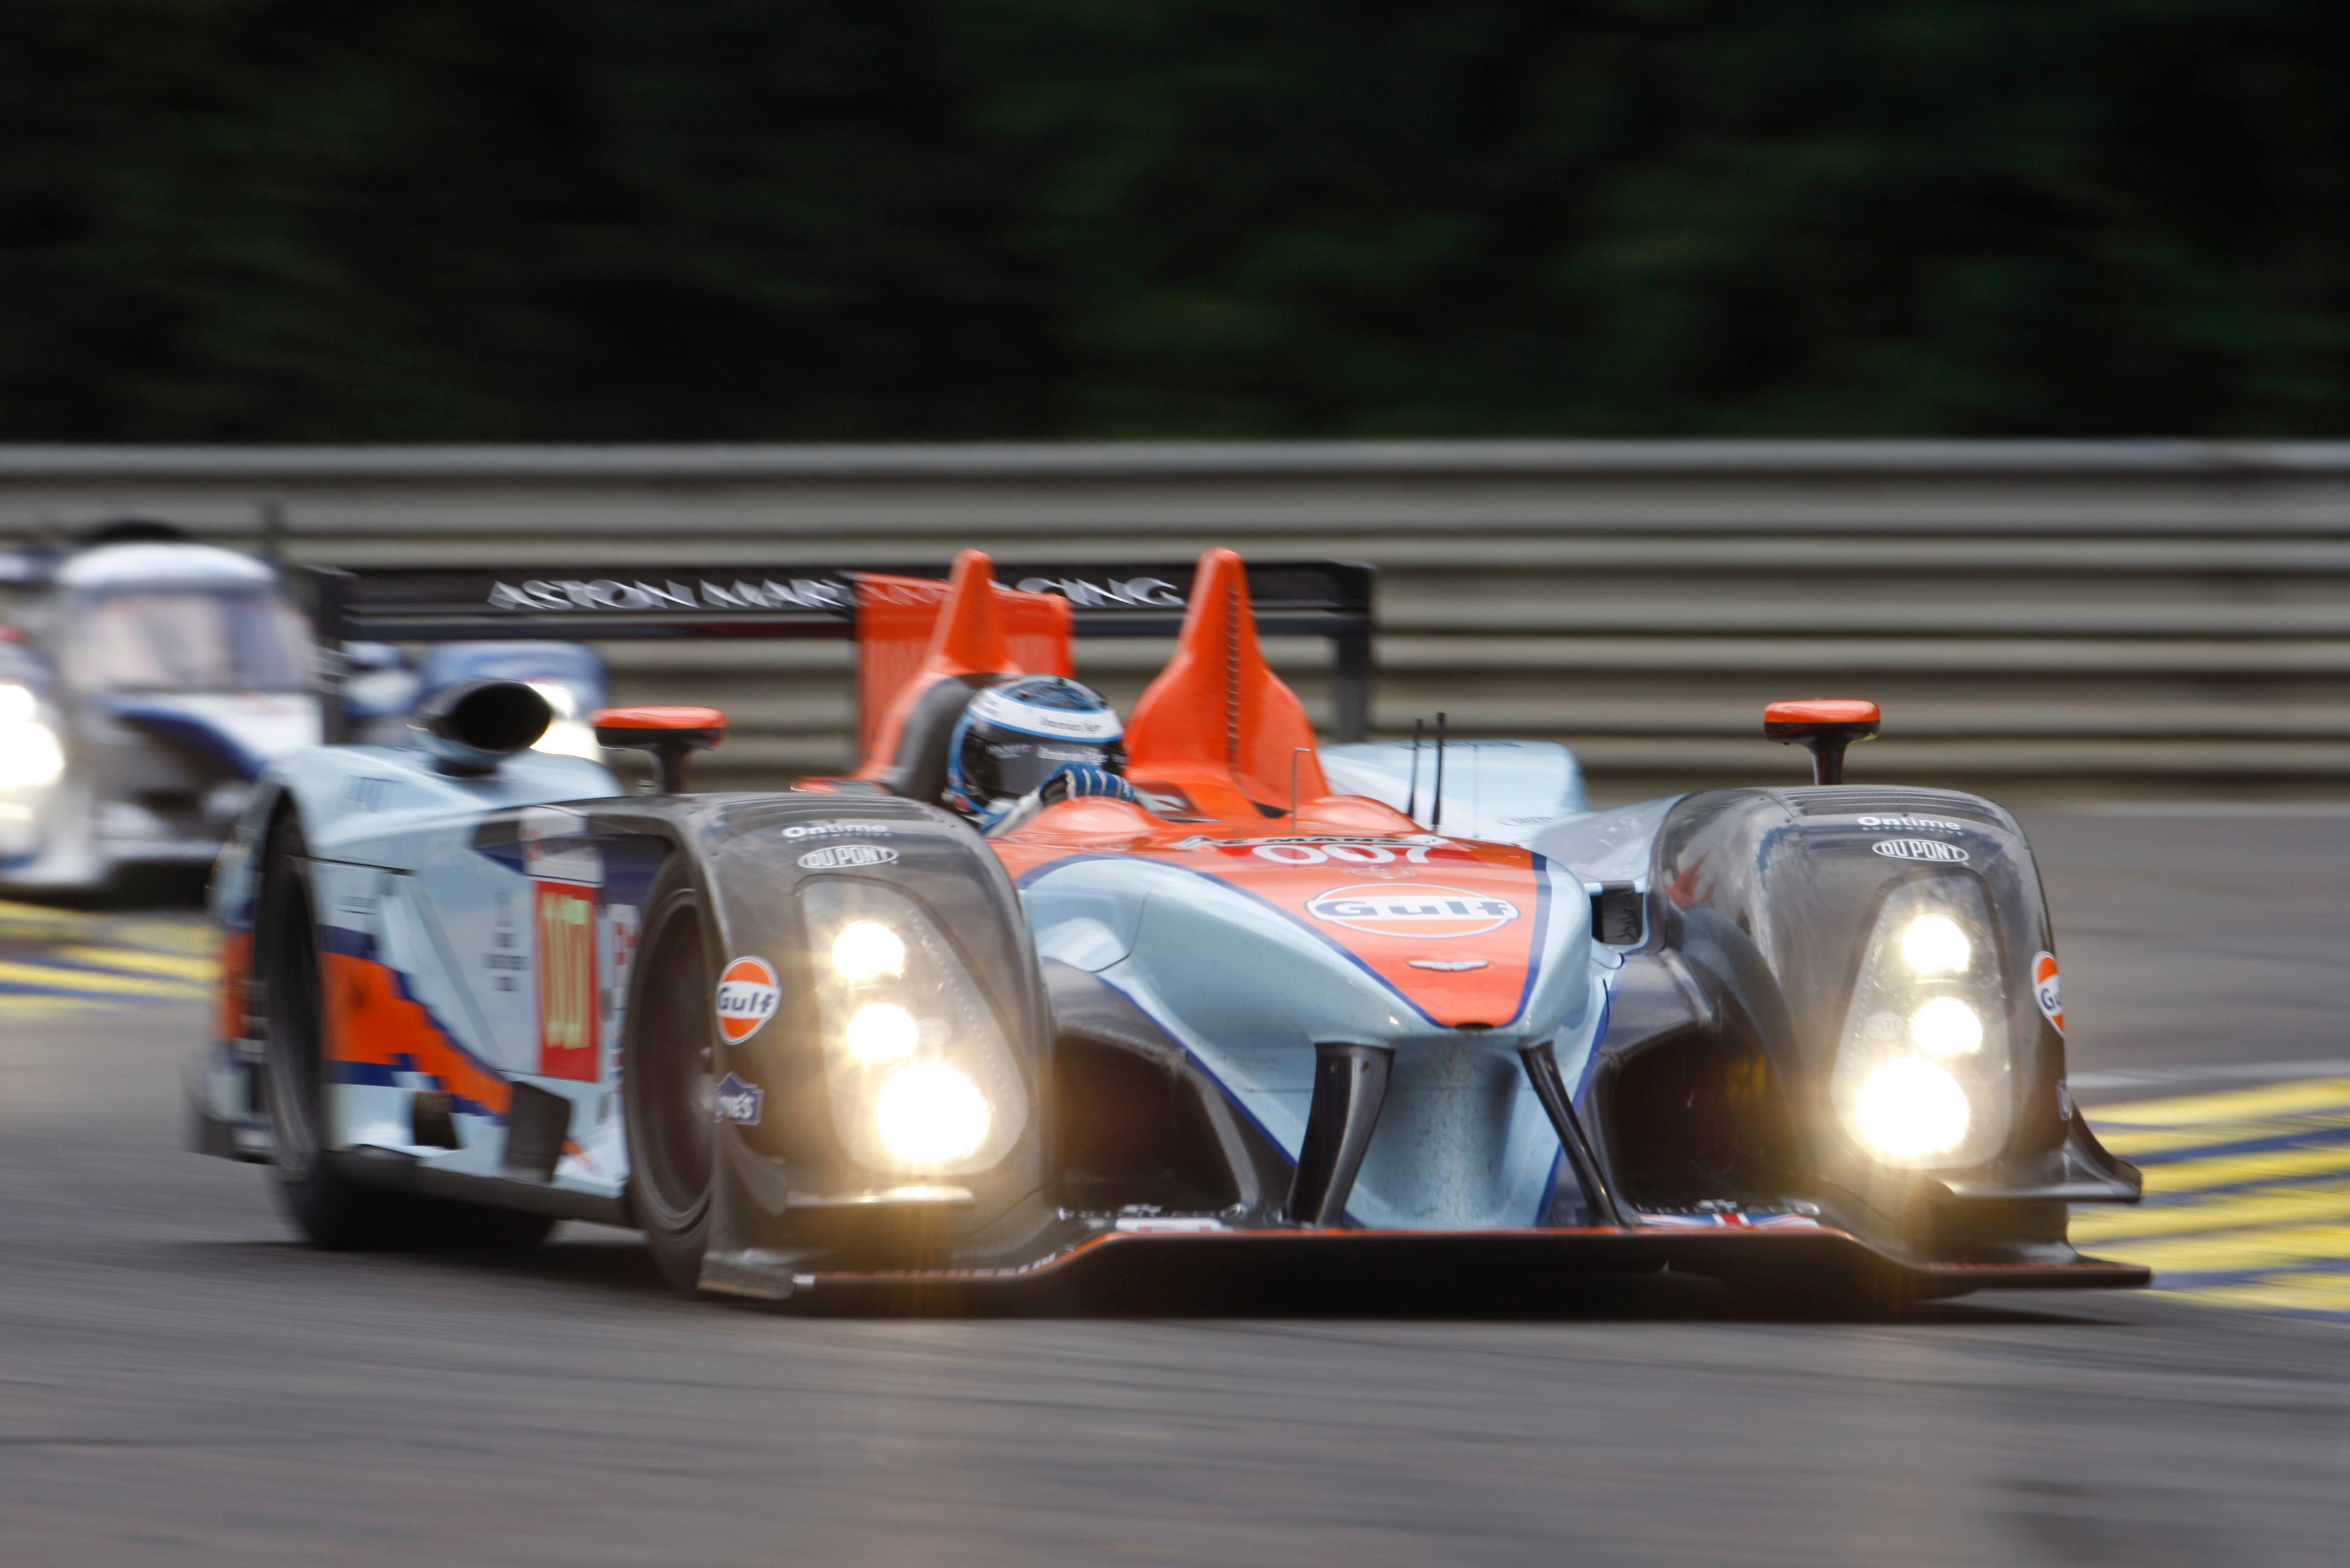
x=1197 y=1270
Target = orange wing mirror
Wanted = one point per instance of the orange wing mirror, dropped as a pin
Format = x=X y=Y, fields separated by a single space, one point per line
x=670 y=734
x=1827 y=725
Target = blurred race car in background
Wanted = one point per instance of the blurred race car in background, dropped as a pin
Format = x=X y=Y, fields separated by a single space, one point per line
x=383 y=687
x=1404 y=1009
x=145 y=681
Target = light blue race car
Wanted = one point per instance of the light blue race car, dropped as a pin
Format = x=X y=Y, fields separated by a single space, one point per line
x=1177 y=997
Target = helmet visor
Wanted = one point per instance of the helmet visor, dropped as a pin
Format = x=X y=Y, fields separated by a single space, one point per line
x=1008 y=765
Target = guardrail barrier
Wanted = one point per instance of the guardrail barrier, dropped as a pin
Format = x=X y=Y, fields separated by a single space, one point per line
x=2035 y=618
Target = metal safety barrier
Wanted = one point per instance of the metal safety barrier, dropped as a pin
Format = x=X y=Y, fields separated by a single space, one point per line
x=2035 y=618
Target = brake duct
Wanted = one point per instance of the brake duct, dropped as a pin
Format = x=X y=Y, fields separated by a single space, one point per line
x=1350 y=1087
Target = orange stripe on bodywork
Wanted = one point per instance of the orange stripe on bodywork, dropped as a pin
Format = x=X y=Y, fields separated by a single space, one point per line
x=235 y=970
x=370 y=1023
x=1453 y=899
x=1365 y=878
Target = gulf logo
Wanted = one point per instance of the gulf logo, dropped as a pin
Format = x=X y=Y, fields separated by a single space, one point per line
x=1420 y=910
x=747 y=994
x=2047 y=989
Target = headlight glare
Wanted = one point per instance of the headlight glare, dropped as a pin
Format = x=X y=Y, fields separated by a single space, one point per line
x=868 y=949
x=1909 y=1108
x=882 y=1032
x=1935 y=945
x=931 y=1115
x=30 y=755
x=1946 y=1027
x=1923 y=1071
x=921 y=1076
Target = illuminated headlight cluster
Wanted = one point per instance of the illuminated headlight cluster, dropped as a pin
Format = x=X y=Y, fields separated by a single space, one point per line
x=30 y=755
x=1921 y=1075
x=921 y=1079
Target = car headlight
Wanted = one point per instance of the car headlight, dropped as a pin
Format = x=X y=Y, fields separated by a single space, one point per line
x=1943 y=1026
x=921 y=1077
x=1908 y=1109
x=1922 y=1072
x=30 y=754
x=929 y=1113
x=1936 y=944
x=881 y=1032
x=868 y=949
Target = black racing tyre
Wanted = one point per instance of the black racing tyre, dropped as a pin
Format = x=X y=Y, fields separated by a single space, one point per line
x=335 y=1213
x=665 y=1079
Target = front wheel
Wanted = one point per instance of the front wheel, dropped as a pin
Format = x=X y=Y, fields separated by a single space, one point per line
x=667 y=1086
x=335 y=1213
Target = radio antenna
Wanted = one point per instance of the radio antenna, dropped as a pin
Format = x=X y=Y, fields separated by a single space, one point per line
x=1295 y=752
x=1411 y=801
x=1436 y=811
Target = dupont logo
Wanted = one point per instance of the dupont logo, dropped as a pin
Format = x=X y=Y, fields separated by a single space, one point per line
x=747 y=994
x=1917 y=849
x=1415 y=909
x=833 y=856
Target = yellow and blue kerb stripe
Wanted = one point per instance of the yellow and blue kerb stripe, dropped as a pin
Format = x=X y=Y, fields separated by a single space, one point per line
x=2247 y=1195
x=59 y=961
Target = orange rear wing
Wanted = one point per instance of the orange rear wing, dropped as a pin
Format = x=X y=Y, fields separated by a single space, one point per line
x=1328 y=600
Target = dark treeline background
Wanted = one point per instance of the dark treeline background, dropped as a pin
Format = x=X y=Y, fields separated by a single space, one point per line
x=415 y=220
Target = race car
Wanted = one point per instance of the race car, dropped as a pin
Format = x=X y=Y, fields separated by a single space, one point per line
x=1215 y=998
x=147 y=682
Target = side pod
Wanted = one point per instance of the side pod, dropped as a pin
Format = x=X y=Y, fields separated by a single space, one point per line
x=797 y=888
x=1851 y=1001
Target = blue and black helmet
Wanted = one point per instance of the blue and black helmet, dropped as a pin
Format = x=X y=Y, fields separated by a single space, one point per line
x=1016 y=735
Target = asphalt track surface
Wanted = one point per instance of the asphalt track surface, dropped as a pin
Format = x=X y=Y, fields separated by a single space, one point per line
x=180 y=1383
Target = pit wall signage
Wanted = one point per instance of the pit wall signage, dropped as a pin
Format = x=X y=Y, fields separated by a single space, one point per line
x=642 y=595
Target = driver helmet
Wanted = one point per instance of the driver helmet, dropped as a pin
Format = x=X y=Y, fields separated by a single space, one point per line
x=1016 y=735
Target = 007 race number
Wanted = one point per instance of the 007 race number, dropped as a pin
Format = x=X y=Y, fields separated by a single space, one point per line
x=567 y=982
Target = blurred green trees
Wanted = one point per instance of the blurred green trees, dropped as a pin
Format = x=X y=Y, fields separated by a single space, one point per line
x=290 y=220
